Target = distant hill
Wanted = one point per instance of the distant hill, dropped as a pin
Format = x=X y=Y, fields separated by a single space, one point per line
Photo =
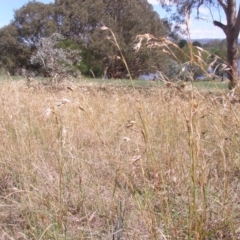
x=207 y=40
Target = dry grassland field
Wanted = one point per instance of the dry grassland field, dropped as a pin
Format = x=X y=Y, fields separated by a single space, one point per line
x=91 y=161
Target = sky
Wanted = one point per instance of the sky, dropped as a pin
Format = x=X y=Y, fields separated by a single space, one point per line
x=198 y=28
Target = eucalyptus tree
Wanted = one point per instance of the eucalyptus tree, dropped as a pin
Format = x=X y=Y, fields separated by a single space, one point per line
x=13 y=54
x=34 y=21
x=19 y=39
x=82 y=21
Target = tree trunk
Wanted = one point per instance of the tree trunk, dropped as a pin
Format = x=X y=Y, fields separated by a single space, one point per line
x=232 y=57
x=231 y=31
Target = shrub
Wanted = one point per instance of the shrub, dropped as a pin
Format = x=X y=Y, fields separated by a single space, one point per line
x=56 y=62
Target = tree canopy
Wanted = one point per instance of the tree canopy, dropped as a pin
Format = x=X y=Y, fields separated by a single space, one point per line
x=80 y=21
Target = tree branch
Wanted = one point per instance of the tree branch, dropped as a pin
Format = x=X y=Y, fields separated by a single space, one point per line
x=222 y=26
x=200 y=3
x=223 y=5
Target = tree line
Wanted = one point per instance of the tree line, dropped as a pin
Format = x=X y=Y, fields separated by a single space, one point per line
x=80 y=22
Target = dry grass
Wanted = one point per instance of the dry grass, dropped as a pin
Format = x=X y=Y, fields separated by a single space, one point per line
x=118 y=163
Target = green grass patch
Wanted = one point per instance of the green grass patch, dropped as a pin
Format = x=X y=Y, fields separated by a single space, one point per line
x=144 y=83
x=218 y=85
x=211 y=85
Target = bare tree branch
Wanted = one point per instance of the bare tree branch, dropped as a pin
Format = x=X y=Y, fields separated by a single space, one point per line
x=219 y=14
x=200 y=3
x=210 y=12
x=222 y=26
x=223 y=5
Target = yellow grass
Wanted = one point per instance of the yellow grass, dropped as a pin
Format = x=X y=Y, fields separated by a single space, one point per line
x=109 y=162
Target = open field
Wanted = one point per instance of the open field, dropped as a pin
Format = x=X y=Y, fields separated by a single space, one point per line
x=95 y=161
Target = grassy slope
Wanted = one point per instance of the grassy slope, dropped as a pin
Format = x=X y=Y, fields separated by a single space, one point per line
x=83 y=164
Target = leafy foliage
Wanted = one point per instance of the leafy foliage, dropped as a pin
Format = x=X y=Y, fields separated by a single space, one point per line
x=182 y=43
x=18 y=40
x=33 y=22
x=13 y=54
x=197 y=44
x=80 y=22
